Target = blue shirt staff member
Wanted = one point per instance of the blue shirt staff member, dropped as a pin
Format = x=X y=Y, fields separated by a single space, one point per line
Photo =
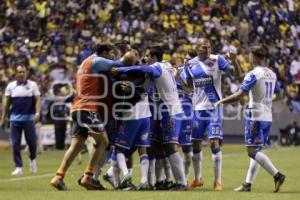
x=22 y=100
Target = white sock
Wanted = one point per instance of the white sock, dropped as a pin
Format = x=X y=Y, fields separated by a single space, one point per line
x=266 y=163
x=177 y=168
x=110 y=171
x=122 y=163
x=252 y=171
x=159 y=169
x=168 y=169
x=144 y=168
x=197 y=164
x=217 y=160
x=116 y=172
x=151 y=172
x=100 y=165
x=187 y=161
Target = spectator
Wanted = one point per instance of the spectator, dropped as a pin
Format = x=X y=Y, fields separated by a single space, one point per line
x=290 y=134
x=60 y=115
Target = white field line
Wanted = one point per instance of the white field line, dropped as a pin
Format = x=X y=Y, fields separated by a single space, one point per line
x=52 y=174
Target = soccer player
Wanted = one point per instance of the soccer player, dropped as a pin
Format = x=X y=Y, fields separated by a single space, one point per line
x=24 y=98
x=134 y=127
x=185 y=95
x=87 y=120
x=204 y=74
x=162 y=75
x=261 y=84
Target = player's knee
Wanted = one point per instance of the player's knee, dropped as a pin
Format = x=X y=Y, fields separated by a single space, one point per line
x=188 y=157
x=187 y=149
x=215 y=150
x=120 y=150
x=170 y=148
x=215 y=143
x=252 y=152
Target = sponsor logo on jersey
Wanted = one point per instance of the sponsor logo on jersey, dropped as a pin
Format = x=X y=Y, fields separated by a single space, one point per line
x=201 y=82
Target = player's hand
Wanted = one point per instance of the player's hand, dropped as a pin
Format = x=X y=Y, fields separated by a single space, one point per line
x=126 y=88
x=232 y=54
x=114 y=71
x=37 y=117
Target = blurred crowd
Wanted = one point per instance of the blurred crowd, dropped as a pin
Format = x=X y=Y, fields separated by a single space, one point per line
x=57 y=35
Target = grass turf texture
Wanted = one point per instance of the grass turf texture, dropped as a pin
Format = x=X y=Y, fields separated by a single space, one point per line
x=235 y=165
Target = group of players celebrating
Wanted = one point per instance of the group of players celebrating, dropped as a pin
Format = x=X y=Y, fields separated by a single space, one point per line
x=126 y=104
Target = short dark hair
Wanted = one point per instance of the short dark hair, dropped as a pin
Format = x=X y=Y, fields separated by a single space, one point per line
x=123 y=46
x=258 y=51
x=157 y=51
x=192 y=53
x=104 y=47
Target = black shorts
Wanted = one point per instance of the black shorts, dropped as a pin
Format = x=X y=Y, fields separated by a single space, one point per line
x=85 y=122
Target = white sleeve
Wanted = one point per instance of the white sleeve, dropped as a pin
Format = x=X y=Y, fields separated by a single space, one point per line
x=36 y=91
x=8 y=90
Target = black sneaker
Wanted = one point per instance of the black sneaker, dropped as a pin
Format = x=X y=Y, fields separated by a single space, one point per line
x=168 y=185
x=98 y=184
x=245 y=187
x=152 y=187
x=160 y=185
x=179 y=187
x=89 y=183
x=279 y=180
x=126 y=184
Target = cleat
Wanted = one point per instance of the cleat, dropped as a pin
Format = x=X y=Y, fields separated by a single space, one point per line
x=160 y=185
x=143 y=186
x=58 y=183
x=126 y=184
x=152 y=187
x=179 y=187
x=110 y=180
x=33 y=166
x=168 y=185
x=279 y=180
x=87 y=182
x=245 y=187
x=196 y=183
x=17 y=172
x=98 y=184
x=218 y=186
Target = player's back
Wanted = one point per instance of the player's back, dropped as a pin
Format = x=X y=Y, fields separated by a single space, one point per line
x=88 y=90
x=166 y=87
x=261 y=94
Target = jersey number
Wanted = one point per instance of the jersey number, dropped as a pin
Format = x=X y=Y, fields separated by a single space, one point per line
x=269 y=92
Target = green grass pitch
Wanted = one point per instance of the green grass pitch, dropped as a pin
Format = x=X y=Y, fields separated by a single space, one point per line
x=235 y=165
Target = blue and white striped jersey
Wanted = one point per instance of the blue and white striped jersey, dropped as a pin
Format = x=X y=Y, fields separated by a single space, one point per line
x=206 y=76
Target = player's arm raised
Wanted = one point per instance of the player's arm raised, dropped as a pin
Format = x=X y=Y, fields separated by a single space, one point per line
x=235 y=67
